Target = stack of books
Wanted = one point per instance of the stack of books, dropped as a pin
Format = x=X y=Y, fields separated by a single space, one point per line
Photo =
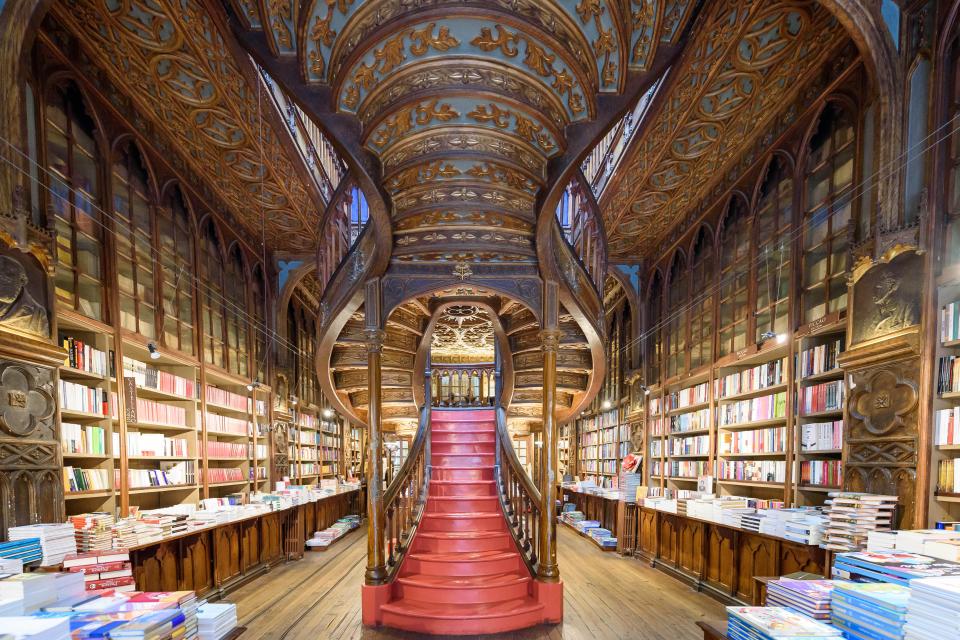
x=103 y=571
x=932 y=542
x=774 y=623
x=323 y=539
x=11 y=607
x=867 y=611
x=809 y=597
x=881 y=541
x=92 y=531
x=603 y=537
x=933 y=612
x=56 y=540
x=751 y=521
x=25 y=550
x=27 y=628
x=853 y=516
x=899 y=567
x=124 y=532
x=806 y=528
x=69 y=585
x=216 y=621
x=33 y=589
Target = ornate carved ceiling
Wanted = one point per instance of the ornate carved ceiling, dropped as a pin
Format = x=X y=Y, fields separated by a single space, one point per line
x=169 y=56
x=463 y=333
x=464 y=102
x=745 y=59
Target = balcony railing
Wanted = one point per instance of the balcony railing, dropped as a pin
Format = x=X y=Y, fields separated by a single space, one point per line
x=582 y=228
x=318 y=154
x=464 y=386
x=600 y=164
x=349 y=215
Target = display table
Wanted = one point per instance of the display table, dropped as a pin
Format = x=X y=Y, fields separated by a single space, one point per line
x=718 y=559
x=713 y=631
x=599 y=508
x=214 y=560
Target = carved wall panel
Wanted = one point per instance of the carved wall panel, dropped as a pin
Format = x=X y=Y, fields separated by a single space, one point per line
x=668 y=539
x=226 y=553
x=756 y=556
x=648 y=533
x=720 y=557
x=29 y=446
x=886 y=298
x=690 y=557
x=196 y=574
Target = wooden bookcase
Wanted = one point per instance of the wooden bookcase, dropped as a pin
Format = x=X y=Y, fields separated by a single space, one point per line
x=602 y=439
x=725 y=413
x=944 y=505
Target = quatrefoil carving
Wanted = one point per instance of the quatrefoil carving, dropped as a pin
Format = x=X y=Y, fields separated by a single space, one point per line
x=882 y=402
x=23 y=402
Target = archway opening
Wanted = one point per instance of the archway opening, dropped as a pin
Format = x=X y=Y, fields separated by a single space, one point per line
x=462 y=358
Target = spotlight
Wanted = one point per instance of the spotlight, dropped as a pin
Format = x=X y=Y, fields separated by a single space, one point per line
x=328 y=413
x=253 y=386
x=781 y=338
x=606 y=405
x=293 y=400
x=154 y=352
x=646 y=389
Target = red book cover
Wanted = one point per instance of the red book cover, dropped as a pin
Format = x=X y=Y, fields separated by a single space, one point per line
x=80 y=559
x=117 y=555
x=100 y=567
x=109 y=583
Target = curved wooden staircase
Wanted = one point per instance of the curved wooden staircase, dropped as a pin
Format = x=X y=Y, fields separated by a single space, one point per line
x=463 y=573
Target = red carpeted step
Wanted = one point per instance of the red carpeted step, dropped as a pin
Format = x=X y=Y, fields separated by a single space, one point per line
x=462 y=504
x=488 y=448
x=463 y=488
x=462 y=459
x=466 y=472
x=463 y=437
x=462 y=541
x=446 y=428
x=492 y=521
x=463 y=619
x=464 y=563
x=463 y=589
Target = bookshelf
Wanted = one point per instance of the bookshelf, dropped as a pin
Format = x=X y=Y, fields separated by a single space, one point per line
x=687 y=419
x=230 y=438
x=601 y=439
x=819 y=416
x=356 y=450
x=945 y=455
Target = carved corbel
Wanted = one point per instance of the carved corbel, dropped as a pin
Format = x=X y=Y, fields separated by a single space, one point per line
x=18 y=231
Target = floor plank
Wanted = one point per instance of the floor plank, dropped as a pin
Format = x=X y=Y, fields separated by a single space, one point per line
x=605 y=597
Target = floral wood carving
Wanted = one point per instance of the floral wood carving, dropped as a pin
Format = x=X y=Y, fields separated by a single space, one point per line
x=882 y=402
x=24 y=403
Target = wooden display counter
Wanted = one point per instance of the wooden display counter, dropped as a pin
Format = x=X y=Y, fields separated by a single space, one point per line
x=599 y=508
x=214 y=560
x=720 y=560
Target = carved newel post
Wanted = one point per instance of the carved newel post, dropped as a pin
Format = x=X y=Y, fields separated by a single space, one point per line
x=548 y=570
x=376 y=573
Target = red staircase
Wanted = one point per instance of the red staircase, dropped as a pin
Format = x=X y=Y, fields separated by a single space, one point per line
x=463 y=574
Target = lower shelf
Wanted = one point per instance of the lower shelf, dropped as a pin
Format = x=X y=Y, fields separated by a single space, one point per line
x=581 y=533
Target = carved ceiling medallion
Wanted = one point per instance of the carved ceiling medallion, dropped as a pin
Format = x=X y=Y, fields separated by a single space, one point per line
x=462 y=331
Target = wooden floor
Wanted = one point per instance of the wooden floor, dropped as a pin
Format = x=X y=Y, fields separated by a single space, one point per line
x=605 y=597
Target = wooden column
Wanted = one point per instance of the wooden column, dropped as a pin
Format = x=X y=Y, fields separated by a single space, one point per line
x=376 y=573
x=550 y=340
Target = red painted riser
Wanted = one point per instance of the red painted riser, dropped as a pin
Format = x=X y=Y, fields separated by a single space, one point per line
x=463 y=574
x=462 y=541
x=485 y=448
x=462 y=504
x=463 y=488
x=462 y=473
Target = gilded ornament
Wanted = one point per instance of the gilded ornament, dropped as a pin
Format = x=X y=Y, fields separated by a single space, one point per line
x=486 y=42
x=391 y=55
x=538 y=59
x=588 y=9
x=429 y=112
x=424 y=40
x=499 y=117
x=562 y=81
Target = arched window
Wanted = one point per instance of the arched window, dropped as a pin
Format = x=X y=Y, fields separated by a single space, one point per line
x=237 y=316
x=74 y=201
x=701 y=305
x=653 y=343
x=211 y=296
x=773 y=223
x=133 y=217
x=828 y=204
x=359 y=212
x=734 y=278
x=259 y=328
x=952 y=174
x=176 y=261
x=676 y=322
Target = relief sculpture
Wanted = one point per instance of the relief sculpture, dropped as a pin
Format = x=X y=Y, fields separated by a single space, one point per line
x=19 y=310
x=886 y=297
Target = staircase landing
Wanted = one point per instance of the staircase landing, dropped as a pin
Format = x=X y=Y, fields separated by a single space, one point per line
x=463 y=574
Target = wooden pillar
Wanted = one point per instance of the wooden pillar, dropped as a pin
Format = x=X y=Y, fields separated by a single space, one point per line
x=550 y=340
x=376 y=572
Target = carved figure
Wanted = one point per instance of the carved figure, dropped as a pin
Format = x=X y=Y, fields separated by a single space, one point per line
x=18 y=309
x=891 y=312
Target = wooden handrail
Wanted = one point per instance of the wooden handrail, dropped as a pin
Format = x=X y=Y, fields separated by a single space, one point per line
x=406 y=496
x=519 y=497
